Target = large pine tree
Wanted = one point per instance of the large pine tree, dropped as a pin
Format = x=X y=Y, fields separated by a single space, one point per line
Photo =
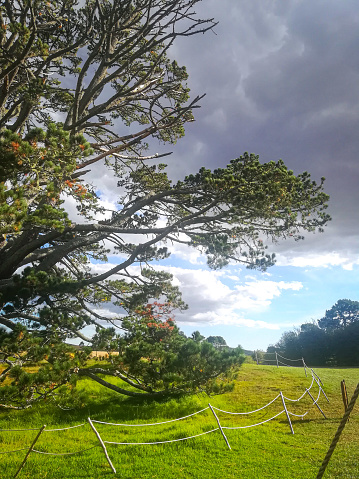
x=85 y=84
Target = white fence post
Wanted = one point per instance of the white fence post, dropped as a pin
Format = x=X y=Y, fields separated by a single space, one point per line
x=220 y=427
x=316 y=375
x=320 y=385
x=305 y=369
x=285 y=409
x=276 y=357
x=324 y=393
x=31 y=448
x=102 y=445
x=315 y=402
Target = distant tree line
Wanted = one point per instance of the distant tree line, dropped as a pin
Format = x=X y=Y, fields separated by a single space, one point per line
x=331 y=341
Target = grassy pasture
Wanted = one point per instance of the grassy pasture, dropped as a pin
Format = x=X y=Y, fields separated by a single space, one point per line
x=266 y=451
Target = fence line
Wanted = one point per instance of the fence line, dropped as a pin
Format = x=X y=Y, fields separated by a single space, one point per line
x=276 y=361
x=47 y=430
x=320 y=387
x=298 y=415
x=316 y=401
x=286 y=365
x=159 y=442
x=286 y=412
x=304 y=414
x=29 y=451
x=316 y=375
x=249 y=412
x=220 y=427
x=288 y=359
x=102 y=443
x=64 y=453
x=20 y=430
x=253 y=425
x=151 y=424
x=308 y=389
x=15 y=450
x=65 y=428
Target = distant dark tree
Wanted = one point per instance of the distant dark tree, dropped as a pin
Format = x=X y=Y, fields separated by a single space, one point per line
x=289 y=345
x=217 y=341
x=333 y=341
x=308 y=327
x=343 y=313
x=308 y=342
x=345 y=345
x=314 y=345
x=322 y=347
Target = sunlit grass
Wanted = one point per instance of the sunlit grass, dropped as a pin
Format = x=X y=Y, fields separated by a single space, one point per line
x=266 y=451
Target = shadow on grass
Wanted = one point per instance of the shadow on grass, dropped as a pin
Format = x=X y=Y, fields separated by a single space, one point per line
x=112 y=409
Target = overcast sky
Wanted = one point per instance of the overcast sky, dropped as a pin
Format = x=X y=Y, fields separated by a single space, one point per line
x=281 y=80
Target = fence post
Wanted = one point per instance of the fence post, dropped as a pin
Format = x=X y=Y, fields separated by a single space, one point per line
x=305 y=369
x=324 y=393
x=338 y=433
x=31 y=448
x=256 y=357
x=315 y=374
x=276 y=357
x=344 y=395
x=102 y=445
x=285 y=409
x=220 y=427
x=315 y=402
x=320 y=386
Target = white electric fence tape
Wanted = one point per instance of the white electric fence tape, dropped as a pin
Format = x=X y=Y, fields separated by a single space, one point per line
x=249 y=412
x=287 y=359
x=286 y=365
x=151 y=424
x=252 y=425
x=305 y=392
x=159 y=442
x=298 y=415
x=64 y=453
x=65 y=428
x=15 y=450
x=18 y=430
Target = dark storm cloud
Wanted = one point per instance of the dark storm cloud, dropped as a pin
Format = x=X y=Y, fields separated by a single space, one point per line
x=282 y=81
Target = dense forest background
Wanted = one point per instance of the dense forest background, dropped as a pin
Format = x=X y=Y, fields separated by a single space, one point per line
x=331 y=341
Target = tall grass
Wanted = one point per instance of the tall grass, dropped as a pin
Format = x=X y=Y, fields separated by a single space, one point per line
x=266 y=451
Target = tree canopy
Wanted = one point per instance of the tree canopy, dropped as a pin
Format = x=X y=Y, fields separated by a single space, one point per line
x=84 y=85
x=217 y=341
x=340 y=315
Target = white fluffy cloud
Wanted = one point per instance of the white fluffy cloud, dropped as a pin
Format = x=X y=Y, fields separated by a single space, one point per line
x=314 y=260
x=215 y=297
x=184 y=252
x=221 y=297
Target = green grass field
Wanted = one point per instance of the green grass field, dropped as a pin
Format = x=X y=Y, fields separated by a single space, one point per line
x=265 y=451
